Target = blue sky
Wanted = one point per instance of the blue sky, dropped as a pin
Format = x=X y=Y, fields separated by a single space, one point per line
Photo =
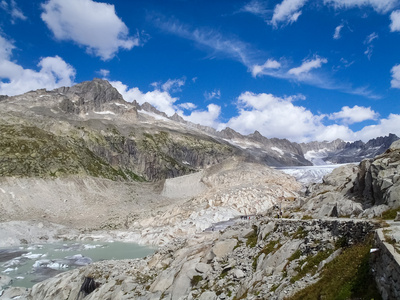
x=296 y=69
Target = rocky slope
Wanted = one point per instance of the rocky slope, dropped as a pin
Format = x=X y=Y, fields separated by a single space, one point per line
x=89 y=129
x=363 y=190
x=255 y=259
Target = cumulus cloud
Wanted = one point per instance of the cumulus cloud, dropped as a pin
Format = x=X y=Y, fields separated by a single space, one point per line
x=13 y=9
x=207 y=117
x=90 y=24
x=395 y=82
x=355 y=114
x=274 y=117
x=385 y=126
x=211 y=95
x=164 y=102
x=269 y=64
x=395 y=21
x=288 y=11
x=279 y=117
x=380 y=6
x=14 y=79
x=307 y=66
x=161 y=100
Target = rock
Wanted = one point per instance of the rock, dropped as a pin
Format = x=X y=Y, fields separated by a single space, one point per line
x=202 y=268
x=221 y=248
x=208 y=296
x=14 y=293
x=237 y=273
x=5 y=280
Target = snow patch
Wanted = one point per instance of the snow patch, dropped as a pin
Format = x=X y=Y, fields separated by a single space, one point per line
x=243 y=144
x=155 y=116
x=277 y=150
x=120 y=104
x=107 y=112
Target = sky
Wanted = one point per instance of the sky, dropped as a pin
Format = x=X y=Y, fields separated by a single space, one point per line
x=296 y=69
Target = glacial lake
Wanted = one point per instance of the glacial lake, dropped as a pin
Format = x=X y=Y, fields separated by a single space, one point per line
x=30 y=264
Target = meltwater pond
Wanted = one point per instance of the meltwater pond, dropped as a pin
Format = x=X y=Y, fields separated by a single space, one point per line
x=30 y=264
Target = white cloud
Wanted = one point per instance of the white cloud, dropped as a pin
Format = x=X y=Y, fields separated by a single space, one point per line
x=257 y=8
x=161 y=100
x=211 y=40
x=395 y=21
x=104 y=73
x=13 y=10
x=173 y=85
x=207 y=117
x=269 y=64
x=93 y=25
x=170 y=86
x=53 y=72
x=188 y=106
x=355 y=114
x=307 y=66
x=279 y=117
x=381 y=6
x=274 y=117
x=164 y=102
x=288 y=11
x=395 y=82
x=370 y=38
x=215 y=94
x=383 y=128
x=338 y=29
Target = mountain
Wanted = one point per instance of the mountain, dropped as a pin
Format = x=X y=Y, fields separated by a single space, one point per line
x=339 y=151
x=89 y=129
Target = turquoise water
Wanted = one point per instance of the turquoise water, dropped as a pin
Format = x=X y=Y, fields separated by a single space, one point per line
x=30 y=264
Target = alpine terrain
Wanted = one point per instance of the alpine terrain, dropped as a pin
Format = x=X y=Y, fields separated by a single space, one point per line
x=80 y=163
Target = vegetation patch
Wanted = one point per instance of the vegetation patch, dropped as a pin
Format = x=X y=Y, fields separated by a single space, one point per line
x=390 y=214
x=252 y=238
x=300 y=233
x=310 y=264
x=196 y=279
x=348 y=276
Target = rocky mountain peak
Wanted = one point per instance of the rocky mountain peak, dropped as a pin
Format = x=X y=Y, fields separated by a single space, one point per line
x=150 y=108
x=96 y=92
x=229 y=133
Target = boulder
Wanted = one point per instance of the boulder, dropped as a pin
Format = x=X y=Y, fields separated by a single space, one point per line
x=222 y=248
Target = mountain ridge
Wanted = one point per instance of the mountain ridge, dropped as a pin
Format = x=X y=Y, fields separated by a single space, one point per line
x=131 y=141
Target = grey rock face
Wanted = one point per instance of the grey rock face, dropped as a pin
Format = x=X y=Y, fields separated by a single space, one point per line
x=378 y=180
x=92 y=94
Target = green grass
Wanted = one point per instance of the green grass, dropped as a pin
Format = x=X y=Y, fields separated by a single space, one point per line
x=390 y=214
x=348 y=276
x=196 y=279
x=252 y=238
x=300 y=233
x=311 y=265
